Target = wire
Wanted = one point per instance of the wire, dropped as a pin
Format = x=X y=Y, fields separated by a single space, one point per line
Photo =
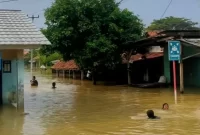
x=7 y=1
x=124 y=1
x=166 y=8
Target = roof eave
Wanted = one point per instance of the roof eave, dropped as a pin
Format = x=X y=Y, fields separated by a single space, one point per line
x=21 y=46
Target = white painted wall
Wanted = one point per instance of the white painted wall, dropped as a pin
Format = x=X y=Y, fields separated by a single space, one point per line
x=155 y=49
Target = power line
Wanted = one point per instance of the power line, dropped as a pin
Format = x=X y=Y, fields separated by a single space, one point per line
x=7 y=1
x=166 y=8
x=124 y=1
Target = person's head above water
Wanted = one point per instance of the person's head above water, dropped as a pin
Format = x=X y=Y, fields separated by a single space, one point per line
x=54 y=85
x=150 y=114
x=33 y=77
x=165 y=106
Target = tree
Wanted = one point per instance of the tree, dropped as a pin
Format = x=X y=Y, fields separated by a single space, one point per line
x=27 y=57
x=173 y=23
x=43 y=58
x=91 y=31
x=52 y=57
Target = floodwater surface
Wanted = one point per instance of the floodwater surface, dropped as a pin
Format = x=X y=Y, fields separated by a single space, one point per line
x=79 y=108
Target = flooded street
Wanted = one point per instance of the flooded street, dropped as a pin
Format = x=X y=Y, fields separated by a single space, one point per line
x=79 y=108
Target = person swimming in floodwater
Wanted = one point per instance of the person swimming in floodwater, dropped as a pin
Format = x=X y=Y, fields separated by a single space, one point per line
x=165 y=106
x=53 y=85
x=34 y=82
x=150 y=114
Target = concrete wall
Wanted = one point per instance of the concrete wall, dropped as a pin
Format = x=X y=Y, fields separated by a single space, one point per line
x=155 y=49
x=15 y=80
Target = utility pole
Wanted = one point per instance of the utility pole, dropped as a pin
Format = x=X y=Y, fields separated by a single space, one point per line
x=32 y=17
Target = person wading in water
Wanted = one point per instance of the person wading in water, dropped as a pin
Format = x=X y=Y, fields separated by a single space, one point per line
x=34 y=82
x=150 y=114
x=54 y=85
x=165 y=106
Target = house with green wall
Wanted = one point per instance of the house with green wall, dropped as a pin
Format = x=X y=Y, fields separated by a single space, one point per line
x=190 y=54
x=191 y=64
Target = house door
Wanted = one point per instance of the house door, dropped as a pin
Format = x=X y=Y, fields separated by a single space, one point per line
x=1 y=86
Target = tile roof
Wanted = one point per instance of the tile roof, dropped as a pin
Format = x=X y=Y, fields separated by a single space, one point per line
x=152 y=55
x=154 y=33
x=69 y=65
x=138 y=56
x=17 y=29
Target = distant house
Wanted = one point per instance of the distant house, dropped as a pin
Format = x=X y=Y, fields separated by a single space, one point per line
x=187 y=72
x=66 y=69
x=16 y=34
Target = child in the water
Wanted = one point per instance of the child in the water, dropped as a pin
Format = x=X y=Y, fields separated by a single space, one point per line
x=150 y=114
x=165 y=106
x=54 y=85
x=34 y=82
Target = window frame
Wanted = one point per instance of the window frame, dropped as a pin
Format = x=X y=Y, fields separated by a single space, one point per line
x=7 y=65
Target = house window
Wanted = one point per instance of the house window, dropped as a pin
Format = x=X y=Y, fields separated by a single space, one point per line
x=7 y=66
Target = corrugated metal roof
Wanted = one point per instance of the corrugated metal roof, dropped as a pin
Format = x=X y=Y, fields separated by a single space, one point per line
x=17 y=29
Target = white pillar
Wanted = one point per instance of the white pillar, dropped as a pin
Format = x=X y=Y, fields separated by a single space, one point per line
x=82 y=74
x=31 y=62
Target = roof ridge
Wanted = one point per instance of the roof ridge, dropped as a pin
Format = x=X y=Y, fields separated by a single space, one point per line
x=9 y=10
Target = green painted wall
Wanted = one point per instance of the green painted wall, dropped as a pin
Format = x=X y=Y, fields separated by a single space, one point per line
x=167 y=64
x=191 y=67
x=192 y=72
x=188 y=50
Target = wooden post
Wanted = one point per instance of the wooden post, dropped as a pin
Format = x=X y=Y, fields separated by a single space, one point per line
x=56 y=73
x=94 y=77
x=82 y=74
x=69 y=74
x=174 y=76
x=74 y=76
x=181 y=71
x=63 y=73
x=129 y=75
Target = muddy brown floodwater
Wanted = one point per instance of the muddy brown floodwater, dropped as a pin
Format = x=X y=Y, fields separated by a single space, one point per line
x=79 y=108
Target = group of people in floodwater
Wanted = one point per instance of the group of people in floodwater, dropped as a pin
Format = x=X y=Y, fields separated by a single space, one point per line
x=34 y=82
x=151 y=115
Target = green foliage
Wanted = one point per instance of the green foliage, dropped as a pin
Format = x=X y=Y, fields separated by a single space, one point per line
x=173 y=23
x=44 y=59
x=90 y=31
x=52 y=57
x=27 y=57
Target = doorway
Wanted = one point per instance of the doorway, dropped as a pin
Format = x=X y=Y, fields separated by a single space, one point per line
x=1 y=85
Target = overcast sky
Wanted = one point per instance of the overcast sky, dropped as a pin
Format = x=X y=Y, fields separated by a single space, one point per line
x=146 y=9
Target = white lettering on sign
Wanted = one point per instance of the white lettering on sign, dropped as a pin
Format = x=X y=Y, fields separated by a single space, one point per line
x=174 y=55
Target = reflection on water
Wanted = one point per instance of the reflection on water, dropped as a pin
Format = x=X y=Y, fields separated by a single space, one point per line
x=79 y=108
